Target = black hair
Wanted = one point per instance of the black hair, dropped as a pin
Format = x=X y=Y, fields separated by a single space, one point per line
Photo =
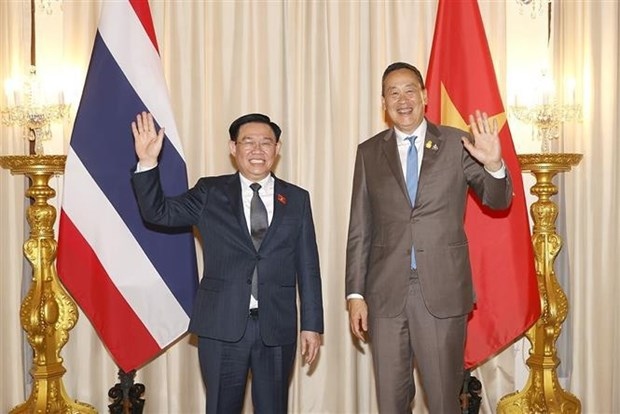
x=246 y=119
x=397 y=66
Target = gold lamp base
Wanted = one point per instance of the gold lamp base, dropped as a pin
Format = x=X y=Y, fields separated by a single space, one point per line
x=47 y=312
x=542 y=392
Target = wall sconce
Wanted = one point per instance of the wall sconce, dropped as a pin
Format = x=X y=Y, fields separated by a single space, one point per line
x=547 y=115
x=536 y=6
x=33 y=108
x=546 y=119
x=48 y=5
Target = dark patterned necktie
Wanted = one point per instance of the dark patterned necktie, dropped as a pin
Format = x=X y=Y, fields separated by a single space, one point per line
x=258 y=225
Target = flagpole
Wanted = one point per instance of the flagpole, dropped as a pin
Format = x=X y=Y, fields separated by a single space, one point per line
x=47 y=312
x=543 y=392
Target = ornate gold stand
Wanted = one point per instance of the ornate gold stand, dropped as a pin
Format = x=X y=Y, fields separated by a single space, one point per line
x=47 y=313
x=542 y=392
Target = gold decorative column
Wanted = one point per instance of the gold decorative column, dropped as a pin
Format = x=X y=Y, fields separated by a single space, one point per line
x=542 y=392
x=47 y=312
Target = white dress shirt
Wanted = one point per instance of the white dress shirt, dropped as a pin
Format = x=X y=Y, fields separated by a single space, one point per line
x=403 y=145
x=266 y=195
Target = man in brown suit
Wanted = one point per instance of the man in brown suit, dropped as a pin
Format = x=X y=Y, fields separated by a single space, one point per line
x=416 y=305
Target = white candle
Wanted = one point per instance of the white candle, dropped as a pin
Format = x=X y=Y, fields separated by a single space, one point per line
x=571 y=91
x=547 y=89
x=10 y=101
x=9 y=92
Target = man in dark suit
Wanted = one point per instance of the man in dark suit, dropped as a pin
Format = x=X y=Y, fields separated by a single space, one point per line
x=259 y=249
x=408 y=276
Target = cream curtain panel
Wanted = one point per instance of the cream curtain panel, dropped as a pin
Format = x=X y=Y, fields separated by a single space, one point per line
x=14 y=58
x=315 y=67
x=586 y=46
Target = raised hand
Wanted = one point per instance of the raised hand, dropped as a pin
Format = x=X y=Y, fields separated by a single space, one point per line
x=147 y=140
x=486 y=146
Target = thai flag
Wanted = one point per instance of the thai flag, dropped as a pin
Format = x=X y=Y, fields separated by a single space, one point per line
x=135 y=284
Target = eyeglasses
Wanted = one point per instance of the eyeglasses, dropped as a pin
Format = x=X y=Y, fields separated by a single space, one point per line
x=248 y=145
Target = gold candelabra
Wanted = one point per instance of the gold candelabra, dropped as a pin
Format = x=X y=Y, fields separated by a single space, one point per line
x=542 y=392
x=27 y=109
x=547 y=119
x=47 y=312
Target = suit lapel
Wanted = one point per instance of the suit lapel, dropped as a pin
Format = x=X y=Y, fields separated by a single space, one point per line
x=390 y=150
x=280 y=197
x=233 y=191
x=433 y=144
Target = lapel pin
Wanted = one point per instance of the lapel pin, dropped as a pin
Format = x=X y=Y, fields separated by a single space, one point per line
x=431 y=145
x=281 y=199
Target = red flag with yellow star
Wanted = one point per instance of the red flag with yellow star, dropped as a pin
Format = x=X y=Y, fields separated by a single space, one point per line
x=460 y=80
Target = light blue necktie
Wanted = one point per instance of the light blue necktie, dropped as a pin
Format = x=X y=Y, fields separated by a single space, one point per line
x=412 y=180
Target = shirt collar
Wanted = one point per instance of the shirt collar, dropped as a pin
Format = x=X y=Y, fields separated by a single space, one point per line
x=420 y=131
x=263 y=183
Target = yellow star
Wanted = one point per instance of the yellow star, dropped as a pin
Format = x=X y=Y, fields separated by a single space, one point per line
x=451 y=116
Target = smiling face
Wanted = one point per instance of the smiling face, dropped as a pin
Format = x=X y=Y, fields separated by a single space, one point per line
x=404 y=99
x=255 y=150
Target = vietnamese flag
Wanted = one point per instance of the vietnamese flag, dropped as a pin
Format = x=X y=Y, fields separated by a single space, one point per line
x=460 y=80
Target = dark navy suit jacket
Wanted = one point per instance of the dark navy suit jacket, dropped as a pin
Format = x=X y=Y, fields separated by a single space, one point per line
x=287 y=259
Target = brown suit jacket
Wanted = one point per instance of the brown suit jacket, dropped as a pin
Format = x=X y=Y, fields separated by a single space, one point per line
x=383 y=226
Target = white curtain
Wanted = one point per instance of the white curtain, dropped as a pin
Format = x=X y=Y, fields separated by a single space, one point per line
x=15 y=38
x=586 y=47
x=315 y=67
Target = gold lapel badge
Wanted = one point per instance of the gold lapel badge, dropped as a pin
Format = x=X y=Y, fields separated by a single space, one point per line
x=431 y=145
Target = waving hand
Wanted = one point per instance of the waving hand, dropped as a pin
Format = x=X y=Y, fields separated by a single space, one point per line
x=486 y=146
x=148 y=141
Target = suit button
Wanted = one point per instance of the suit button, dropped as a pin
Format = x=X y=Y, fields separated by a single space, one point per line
x=249 y=281
x=258 y=257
